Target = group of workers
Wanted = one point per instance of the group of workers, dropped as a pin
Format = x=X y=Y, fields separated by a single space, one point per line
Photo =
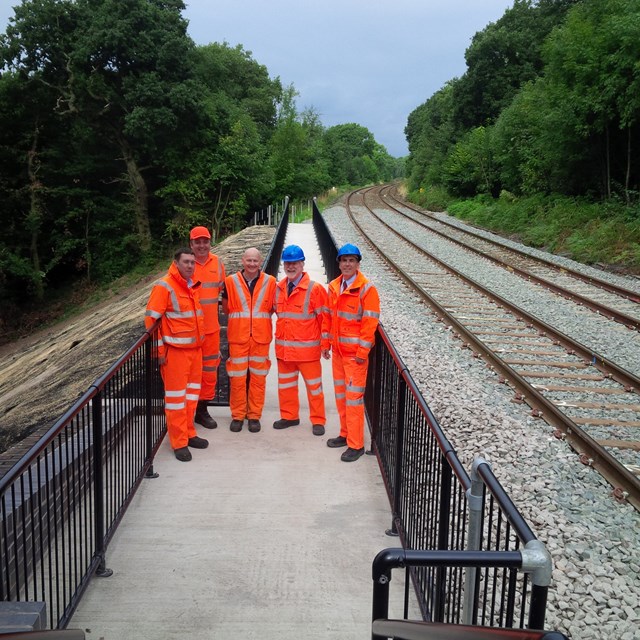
x=311 y=323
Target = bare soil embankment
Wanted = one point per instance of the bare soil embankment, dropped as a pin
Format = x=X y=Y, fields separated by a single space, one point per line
x=42 y=375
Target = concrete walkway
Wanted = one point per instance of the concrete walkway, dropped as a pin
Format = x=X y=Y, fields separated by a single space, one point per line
x=262 y=535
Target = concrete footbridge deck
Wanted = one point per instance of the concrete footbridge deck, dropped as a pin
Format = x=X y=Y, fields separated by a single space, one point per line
x=262 y=535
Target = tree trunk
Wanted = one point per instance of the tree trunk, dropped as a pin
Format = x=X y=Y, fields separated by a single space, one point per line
x=34 y=217
x=140 y=193
x=627 y=175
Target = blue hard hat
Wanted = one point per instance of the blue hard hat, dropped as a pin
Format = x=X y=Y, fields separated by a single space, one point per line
x=292 y=253
x=349 y=250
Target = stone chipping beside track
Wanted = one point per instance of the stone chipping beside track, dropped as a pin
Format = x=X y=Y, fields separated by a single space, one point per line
x=594 y=541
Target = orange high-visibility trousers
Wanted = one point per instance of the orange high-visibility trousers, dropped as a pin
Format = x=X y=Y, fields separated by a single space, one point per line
x=250 y=358
x=181 y=374
x=288 y=390
x=349 y=381
x=210 y=362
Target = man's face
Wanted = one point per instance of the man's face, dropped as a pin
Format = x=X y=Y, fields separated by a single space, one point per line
x=201 y=247
x=348 y=266
x=251 y=263
x=186 y=265
x=293 y=269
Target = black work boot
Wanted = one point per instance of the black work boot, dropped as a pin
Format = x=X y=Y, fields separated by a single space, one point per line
x=202 y=416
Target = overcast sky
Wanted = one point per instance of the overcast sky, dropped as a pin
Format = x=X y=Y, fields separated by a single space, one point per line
x=371 y=62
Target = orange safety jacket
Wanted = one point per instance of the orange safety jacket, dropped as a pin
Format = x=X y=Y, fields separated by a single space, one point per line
x=211 y=276
x=250 y=316
x=303 y=320
x=354 y=316
x=177 y=304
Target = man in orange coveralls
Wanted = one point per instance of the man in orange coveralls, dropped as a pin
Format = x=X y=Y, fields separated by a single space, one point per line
x=174 y=301
x=355 y=311
x=210 y=273
x=248 y=300
x=303 y=322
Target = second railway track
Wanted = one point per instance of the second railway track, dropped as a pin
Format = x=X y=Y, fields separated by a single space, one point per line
x=590 y=400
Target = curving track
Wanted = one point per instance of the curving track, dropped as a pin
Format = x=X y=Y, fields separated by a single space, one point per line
x=591 y=400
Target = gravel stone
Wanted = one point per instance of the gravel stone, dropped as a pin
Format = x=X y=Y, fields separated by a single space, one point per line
x=593 y=540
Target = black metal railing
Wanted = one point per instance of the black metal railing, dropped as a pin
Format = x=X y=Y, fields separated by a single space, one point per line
x=61 y=503
x=438 y=508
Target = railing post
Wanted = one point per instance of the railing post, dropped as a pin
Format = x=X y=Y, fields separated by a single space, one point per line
x=443 y=535
x=474 y=535
x=537 y=561
x=148 y=366
x=397 y=480
x=98 y=484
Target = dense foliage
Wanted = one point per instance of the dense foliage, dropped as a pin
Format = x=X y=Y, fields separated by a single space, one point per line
x=118 y=133
x=549 y=107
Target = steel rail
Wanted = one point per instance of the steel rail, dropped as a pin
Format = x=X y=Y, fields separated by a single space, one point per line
x=598 y=307
x=628 y=294
x=626 y=484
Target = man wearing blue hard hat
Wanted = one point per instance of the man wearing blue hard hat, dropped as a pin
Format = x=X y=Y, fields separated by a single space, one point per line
x=301 y=327
x=354 y=305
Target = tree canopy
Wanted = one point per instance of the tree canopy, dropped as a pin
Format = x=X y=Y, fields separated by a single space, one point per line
x=118 y=133
x=550 y=103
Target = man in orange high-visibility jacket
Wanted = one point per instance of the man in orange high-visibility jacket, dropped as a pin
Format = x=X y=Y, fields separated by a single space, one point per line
x=248 y=300
x=210 y=272
x=355 y=311
x=302 y=324
x=174 y=301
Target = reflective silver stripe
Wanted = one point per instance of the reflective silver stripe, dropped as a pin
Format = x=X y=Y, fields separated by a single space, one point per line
x=153 y=314
x=157 y=343
x=371 y=314
x=238 y=360
x=240 y=291
x=212 y=358
x=172 y=294
x=262 y=314
x=356 y=389
x=193 y=396
x=355 y=403
x=325 y=309
x=258 y=358
x=315 y=392
x=258 y=300
x=288 y=385
x=349 y=340
x=338 y=383
x=298 y=343
x=193 y=385
x=170 y=340
x=326 y=335
x=208 y=300
x=297 y=316
x=293 y=374
x=209 y=368
x=175 y=406
x=175 y=394
x=258 y=372
x=340 y=396
x=180 y=314
x=237 y=373
x=211 y=285
x=349 y=316
x=314 y=381
x=239 y=314
x=366 y=288
x=365 y=344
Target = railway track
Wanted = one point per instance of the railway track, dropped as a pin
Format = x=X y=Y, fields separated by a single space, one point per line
x=605 y=298
x=590 y=401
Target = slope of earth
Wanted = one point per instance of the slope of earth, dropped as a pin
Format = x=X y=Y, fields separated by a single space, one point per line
x=42 y=375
